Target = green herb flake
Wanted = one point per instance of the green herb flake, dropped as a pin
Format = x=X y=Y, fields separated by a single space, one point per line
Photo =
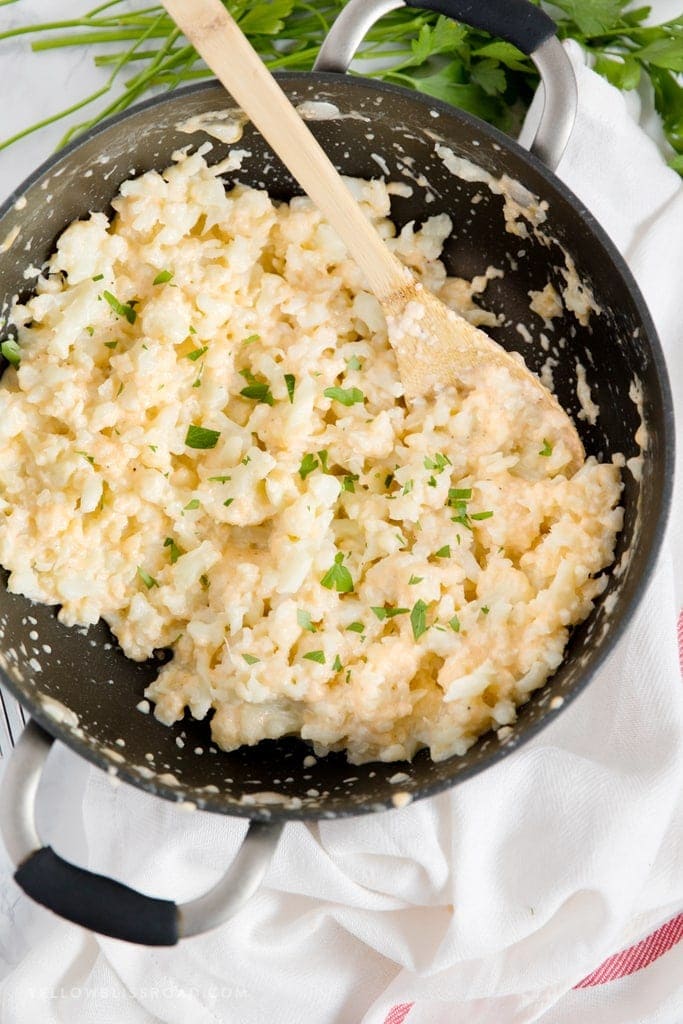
x=11 y=351
x=345 y=396
x=148 y=580
x=356 y=627
x=349 y=483
x=304 y=620
x=408 y=486
x=415 y=579
x=323 y=456
x=431 y=482
x=192 y=506
x=337 y=666
x=153 y=447
x=455 y=624
x=201 y=438
x=192 y=330
x=88 y=458
x=437 y=463
x=175 y=551
x=485 y=610
x=110 y=344
x=338 y=576
x=197 y=383
x=250 y=659
x=98 y=277
x=246 y=460
x=251 y=339
x=90 y=330
x=259 y=392
x=388 y=479
x=388 y=613
x=308 y=464
x=228 y=502
x=458 y=494
x=481 y=515
x=418 y=619
x=197 y=353
x=121 y=308
x=219 y=479
x=547 y=449
x=163 y=277
x=354 y=363
x=444 y=552
x=290 y=381
x=318 y=656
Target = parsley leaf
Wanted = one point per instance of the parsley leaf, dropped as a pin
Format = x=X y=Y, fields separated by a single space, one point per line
x=349 y=483
x=201 y=437
x=258 y=392
x=415 y=579
x=437 y=463
x=481 y=515
x=546 y=450
x=318 y=656
x=197 y=353
x=290 y=381
x=175 y=551
x=346 y=396
x=388 y=613
x=418 y=619
x=356 y=627
x=304 y=620
x=120 y=308
x=250 y=659
x=455 y=624
x=148 y=580
x=338 y=576
x=444 y=552
x=337 y=666
x=308 y=464
x=163 y=277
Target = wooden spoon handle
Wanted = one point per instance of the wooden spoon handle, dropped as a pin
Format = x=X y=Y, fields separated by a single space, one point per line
x=219 y=40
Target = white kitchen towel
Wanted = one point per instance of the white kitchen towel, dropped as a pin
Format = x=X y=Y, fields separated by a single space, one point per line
x=488 y=904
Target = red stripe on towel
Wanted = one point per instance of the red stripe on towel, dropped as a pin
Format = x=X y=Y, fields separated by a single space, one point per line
x=397 y=1014
x=636 y=957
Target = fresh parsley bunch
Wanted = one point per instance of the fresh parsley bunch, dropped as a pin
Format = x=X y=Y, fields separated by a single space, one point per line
x=417 y=49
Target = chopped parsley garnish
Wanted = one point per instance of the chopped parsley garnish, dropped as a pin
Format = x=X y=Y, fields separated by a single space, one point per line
x=323 y=456
x=163 y=277
x=192 y=330
x=110 y=344
x=388 y=613
x=437 y=463
x=431 y=482
x=354 y=363
x=175 y=551
x=407 y=487
x=228 y=502
x=192 y=505
x=318 y=656
x=485 y=610
x=415 y=579
x=11 y=351
x=246 y=460
x=304 y=620
x=98 y=277
x=418 y=619
x=480 y=515
x=197 y=353
x=148 y=580
x=346 y=396
x=201 y=437
x=89 y=458
x=455 y=624
x=308 y=464
x=290 y=381
x=547 y=449
x=251 y=339
x=356 y=627
x=338 y=576
x=250 y=659
x=388 y=479
x=153 y=447
x=257 y=390
x=337 y=666
x=219 y=479
x=458 y=494
x=349 y=483
x=204 y=580
x=120 y=308
x=90 y=330
x=444 y=552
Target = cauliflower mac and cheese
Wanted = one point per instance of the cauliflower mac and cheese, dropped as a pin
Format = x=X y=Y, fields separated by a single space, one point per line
x=204 y=442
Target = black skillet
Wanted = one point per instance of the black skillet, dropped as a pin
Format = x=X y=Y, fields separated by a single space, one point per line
x=86 y=691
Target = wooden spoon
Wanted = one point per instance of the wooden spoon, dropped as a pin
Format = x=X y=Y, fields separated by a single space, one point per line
x=434 y=346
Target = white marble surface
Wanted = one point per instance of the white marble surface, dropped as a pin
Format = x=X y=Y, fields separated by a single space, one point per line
x=32 y=87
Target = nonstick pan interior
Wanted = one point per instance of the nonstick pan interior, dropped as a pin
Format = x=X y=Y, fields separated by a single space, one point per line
x=77 y=683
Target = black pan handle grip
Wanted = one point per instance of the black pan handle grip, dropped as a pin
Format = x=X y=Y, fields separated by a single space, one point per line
x=518 y=21
x=103 y=904
x=96 y=902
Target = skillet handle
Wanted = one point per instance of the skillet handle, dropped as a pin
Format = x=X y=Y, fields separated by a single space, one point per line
x=517 y=21
x=100 y=903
